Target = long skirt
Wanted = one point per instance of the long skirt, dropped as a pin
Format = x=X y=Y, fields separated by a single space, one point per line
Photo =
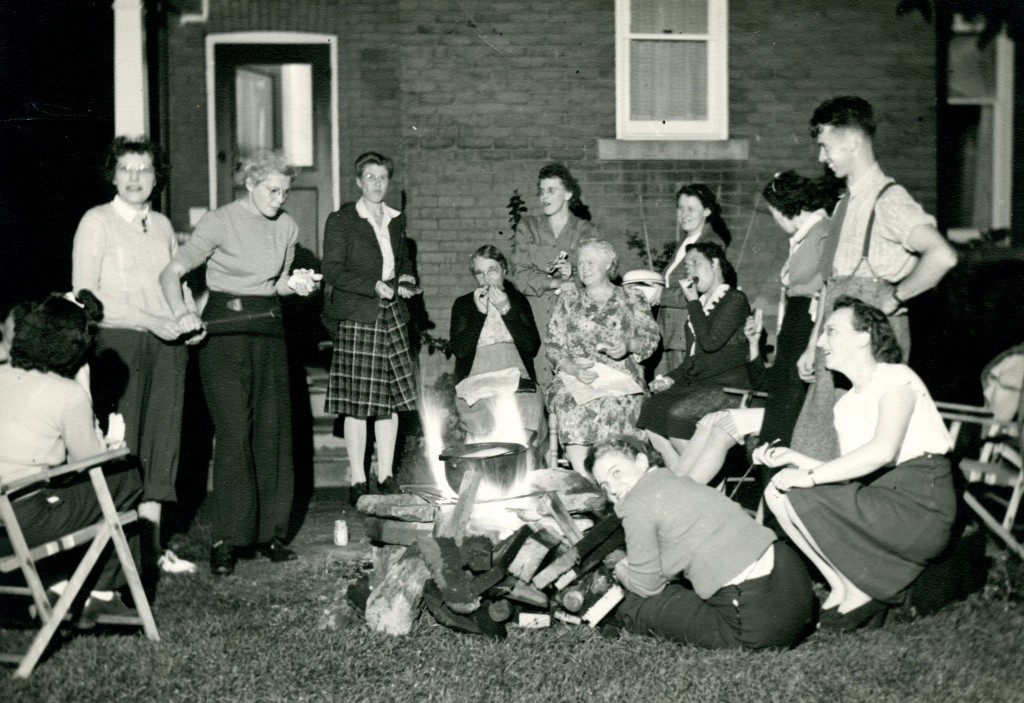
x=372 y=370
x=881 y=533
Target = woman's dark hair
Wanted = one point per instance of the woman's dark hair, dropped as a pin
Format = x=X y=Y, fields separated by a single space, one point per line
x=711 y=251
x=373 y=158
x=57 y=334
x=708 y=200
x=562 y=173
x=136 y=145
x=790 y=194
x=489 y=251
x=867 y=318
x=623 y=444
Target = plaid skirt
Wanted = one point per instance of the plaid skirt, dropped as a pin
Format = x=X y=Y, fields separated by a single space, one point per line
x=372 y=371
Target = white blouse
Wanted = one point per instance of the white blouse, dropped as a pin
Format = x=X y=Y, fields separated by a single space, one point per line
x=856 y=415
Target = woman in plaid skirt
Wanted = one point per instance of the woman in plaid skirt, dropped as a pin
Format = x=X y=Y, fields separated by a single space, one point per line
x=369 y=275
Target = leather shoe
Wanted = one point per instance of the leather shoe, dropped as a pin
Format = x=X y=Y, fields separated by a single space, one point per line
x=869 y=616
x=223 y=558
x=276 y=551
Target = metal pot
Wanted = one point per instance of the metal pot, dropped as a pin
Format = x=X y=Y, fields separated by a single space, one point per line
x=502 y=465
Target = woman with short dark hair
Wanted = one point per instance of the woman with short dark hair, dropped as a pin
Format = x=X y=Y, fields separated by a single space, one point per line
x=120 y=249
x=369 y=275
x=871 y=519
x=544 y=247
x=46 y=419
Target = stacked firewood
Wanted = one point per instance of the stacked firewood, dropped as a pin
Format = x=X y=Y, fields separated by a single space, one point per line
x=476 y=584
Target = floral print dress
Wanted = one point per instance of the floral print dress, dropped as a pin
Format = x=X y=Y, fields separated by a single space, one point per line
x=578 y=325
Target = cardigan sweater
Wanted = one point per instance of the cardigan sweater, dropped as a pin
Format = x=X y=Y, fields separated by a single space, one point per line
x=352 y=266
x=467 y=322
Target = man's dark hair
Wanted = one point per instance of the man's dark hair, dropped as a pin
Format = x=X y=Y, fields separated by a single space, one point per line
x=846 y=111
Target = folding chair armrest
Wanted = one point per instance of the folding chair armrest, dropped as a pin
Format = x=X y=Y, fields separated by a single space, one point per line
x=746 y=394
x=46 y=473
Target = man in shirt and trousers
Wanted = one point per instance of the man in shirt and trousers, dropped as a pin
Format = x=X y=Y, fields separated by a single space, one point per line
x=882 y=248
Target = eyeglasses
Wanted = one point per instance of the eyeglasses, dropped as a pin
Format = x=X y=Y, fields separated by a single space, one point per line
x=372 y=178
x=140 y=169
x=774 y=178
x=276 y=193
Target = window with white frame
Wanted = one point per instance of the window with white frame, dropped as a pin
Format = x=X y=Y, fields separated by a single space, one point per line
x=672 y=69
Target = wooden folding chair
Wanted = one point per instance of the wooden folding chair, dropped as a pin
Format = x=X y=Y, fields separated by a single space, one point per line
x=747 y=397
x=998 y=464
x=109 y=529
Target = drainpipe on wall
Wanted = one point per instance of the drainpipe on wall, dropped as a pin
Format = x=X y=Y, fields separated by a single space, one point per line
x=131 y=88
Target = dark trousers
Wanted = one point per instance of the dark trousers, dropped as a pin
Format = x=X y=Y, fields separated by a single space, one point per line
x=59 y=510
x=772 y=611
x=143 y=378
x=245 y=380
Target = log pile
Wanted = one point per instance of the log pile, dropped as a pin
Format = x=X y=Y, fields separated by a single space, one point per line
x=548 y=569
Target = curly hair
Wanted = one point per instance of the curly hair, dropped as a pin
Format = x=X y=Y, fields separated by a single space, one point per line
x=562 y=173
x=846 y=111
x=790 y=194
x=625 y=445
x=136 y=145
x=605 y=247
x=373 y=158
x=712 y=251
x=489 y=251
x=868 y=318
x=57 y=334
x=259 y=165
x=702 y=193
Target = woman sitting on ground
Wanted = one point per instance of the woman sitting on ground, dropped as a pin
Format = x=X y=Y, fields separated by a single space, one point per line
x=46 y=419
x=743 y=588
x=599 y=322
x=871 y=519
x=717 y=357
x=493 y=330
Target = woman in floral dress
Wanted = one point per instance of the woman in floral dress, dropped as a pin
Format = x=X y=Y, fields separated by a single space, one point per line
x=598 y=322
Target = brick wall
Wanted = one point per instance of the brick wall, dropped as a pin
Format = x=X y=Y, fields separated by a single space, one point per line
x=490 y=90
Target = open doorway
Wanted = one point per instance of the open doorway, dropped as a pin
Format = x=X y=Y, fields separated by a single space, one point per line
x=273 y=90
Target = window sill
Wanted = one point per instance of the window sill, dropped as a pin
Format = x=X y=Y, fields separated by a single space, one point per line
x=673 y=150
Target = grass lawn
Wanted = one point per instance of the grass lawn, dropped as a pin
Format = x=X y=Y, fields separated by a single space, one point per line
x=254 y=637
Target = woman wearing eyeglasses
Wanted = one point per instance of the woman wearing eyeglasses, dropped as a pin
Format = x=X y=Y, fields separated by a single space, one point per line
x=544 y=248
x=369 y=275
x=248 y=247
x=138 y=369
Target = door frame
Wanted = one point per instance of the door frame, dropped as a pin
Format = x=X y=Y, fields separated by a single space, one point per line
x=212 y=40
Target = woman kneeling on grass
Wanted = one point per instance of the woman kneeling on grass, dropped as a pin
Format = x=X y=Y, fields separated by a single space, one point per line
x=873 y=518
x=742 y=588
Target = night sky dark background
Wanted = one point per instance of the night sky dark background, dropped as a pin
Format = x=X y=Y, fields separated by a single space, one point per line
x=56 y=119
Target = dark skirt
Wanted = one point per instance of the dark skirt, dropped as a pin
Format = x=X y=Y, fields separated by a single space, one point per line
x=675 y=412
x=880 y=532
x=785 y=388
x=372 y=370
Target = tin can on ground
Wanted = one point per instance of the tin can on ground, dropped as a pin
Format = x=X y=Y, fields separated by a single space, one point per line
x=340 y=533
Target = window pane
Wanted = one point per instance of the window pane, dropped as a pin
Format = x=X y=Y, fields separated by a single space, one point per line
x=669 y=16
x=668 y=80
x=972 y=71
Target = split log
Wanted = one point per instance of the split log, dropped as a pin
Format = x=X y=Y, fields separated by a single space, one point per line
x=600 y=541
x=560 y=514
x=476 y=553
x=486 y=581
x=501 y=611
x=534 y=621
x=406 y=507
x=597 y=612
x=529 y=595
x=562 y=563
x=393 y=605
x=384 y=557
x=577 y=493
x=444 y=561
x=453 y=523
x=389 y=531
x=477 y=623
x=530 y=556
x=506 y=551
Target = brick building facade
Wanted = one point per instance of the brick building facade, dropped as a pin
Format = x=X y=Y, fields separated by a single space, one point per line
x=472 y=98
